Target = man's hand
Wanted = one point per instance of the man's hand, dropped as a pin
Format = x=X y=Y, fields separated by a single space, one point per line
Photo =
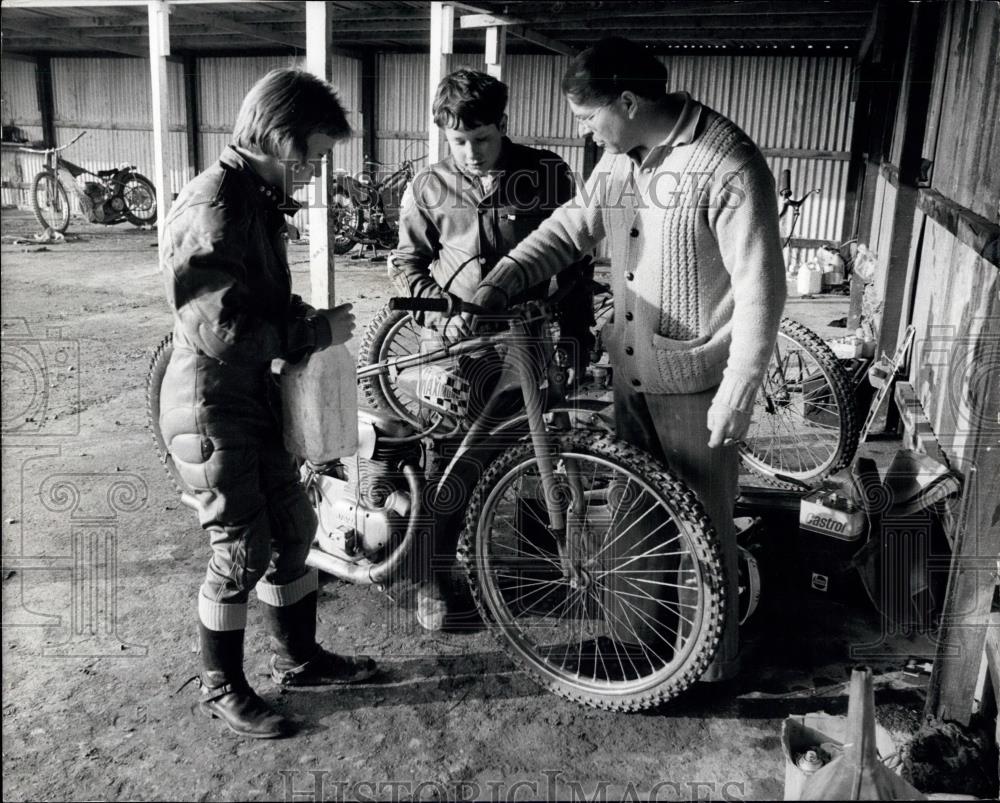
x=334 y=326
x=728 y=426
x=457 y=327
x=491 y=297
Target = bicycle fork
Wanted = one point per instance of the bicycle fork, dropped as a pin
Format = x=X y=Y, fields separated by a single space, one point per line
x=566 y=507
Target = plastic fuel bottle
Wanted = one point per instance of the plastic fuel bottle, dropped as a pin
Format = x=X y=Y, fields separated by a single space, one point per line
x=320 y=405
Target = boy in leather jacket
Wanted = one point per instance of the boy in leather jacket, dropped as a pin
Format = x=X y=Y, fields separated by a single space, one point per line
x=227 y=280
x=458 y=219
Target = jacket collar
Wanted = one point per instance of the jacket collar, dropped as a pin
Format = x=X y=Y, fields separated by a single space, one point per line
x=684 y=132
x=267 y=195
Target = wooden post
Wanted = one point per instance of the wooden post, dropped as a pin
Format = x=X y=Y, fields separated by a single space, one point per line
x=496 y=50
x=369 y=104
x=321 y=256
x=46 y=99
x=193 y=109
x=911 y=122
x=442 y=38
x=159 y=49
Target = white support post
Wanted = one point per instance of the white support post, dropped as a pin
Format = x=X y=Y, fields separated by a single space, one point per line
x=442 y=40
x=159 y=49
x=321 y=255
x=496 y=50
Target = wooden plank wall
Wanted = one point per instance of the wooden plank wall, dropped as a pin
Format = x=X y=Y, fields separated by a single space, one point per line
x=954 y=288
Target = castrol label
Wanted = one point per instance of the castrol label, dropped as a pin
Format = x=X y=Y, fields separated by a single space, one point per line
x=829 y=513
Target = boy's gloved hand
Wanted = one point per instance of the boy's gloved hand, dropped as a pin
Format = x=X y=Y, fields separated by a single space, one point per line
x=333 y=326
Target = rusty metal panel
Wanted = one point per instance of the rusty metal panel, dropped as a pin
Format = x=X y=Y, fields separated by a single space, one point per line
x=20 y=99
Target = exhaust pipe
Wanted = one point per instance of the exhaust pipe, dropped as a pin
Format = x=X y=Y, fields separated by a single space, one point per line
x=380 y=572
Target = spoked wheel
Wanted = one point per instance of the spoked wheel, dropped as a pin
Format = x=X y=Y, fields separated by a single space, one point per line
x=139 y=195
x=50 y=202
x=392 y=333
x=347 y=220
x=804 y=422
x=624 y=612
x=154 y=383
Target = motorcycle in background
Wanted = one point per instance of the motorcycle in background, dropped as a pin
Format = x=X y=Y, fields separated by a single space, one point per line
x=107 y=197
x=367 y=210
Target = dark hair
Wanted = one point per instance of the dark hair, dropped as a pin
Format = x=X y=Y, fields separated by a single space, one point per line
x=614 y=65
x=287 y=106
x=469 y=98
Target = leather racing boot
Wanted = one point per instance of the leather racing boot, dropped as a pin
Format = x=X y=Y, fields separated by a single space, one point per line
x=298 y=660
x=227 y=695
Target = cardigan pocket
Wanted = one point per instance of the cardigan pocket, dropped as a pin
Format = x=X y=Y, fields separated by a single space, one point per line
x=685 y=366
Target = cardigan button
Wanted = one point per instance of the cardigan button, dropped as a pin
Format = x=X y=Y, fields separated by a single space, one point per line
x=634 y=233
x=629 y=316
x=636 y=382
x=629 y=351
x=630 y=276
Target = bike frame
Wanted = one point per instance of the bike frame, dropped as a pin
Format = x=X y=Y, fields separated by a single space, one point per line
x=521 y=358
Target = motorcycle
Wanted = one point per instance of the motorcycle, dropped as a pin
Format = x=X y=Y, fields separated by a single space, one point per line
x=367 y=209
x=107 y=197
x=593 y=563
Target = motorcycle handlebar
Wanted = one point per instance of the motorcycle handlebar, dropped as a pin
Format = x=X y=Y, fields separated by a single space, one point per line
x=448 y=306
x=55 y=150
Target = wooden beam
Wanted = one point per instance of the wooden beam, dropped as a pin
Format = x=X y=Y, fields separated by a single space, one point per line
x=193 y=113
x=229 y=24
x=912 y=120
x=369 y=104
x=73 y=38
x=529 y=35
x=487 y=21
x=321 y=212
x=46 y=99
x=516 y=27
x=159 y=49
x=496 y=51
x=442 y=43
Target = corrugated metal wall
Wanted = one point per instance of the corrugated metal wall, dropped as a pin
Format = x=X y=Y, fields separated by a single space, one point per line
x=784 y=103
x=111 y=100
x=20 y=108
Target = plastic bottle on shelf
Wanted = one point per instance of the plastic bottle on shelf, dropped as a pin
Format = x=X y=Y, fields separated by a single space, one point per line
x=810 y=278
x=320 y=405
x=791 y=283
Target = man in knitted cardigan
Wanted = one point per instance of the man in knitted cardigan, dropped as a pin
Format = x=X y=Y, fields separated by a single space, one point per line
x=688 y=207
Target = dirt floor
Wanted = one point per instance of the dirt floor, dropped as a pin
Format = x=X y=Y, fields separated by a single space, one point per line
x=101 y=564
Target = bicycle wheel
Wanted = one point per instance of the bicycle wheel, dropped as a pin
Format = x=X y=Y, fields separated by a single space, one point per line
x=628 y=612
x=50 y=202
x=804 y=422
x=139 y=195
x=391 y=333
x=154 y=381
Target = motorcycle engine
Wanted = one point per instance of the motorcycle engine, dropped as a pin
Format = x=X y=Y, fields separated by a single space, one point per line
x=102 y=208
x=363 y=502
